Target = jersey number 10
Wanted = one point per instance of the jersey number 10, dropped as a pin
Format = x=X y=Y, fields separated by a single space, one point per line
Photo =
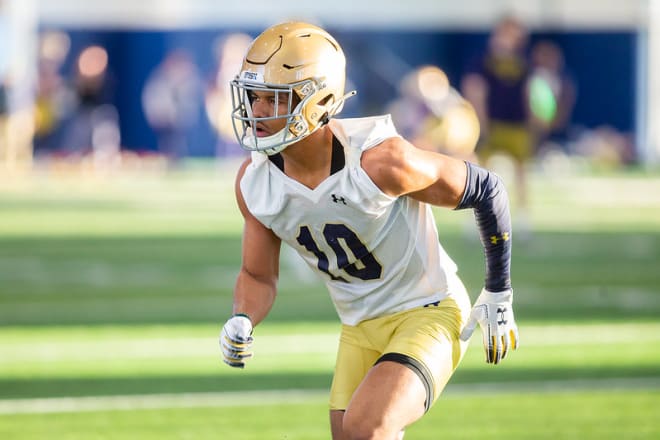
x=365 y=266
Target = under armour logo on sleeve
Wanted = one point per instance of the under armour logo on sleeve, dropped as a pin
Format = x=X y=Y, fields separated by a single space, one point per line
x=494 y=239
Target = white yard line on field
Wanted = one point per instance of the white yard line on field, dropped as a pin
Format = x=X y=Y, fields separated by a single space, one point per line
x=126 y=347
x=270 y=397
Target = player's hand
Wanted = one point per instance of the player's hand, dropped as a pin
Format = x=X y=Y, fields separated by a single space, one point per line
x=494 y=314
x=236 y=341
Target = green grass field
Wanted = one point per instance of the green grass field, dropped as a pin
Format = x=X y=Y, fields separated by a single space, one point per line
x=113 y=290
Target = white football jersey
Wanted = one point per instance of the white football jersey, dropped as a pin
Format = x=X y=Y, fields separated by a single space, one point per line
x=377 y=254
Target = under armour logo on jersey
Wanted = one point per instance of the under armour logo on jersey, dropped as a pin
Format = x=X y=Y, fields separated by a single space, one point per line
x=338 y=199
x=500 y=315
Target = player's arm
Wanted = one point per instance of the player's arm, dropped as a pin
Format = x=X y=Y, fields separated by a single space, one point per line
x=399 y=168
x=256 y=284
x=493 y=310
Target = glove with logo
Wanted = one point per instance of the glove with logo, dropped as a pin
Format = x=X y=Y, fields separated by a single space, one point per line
x=494 y=313
x=236 y=340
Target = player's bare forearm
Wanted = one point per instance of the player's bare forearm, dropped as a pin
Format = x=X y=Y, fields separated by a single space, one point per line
x=254 y=296
x=256 y=285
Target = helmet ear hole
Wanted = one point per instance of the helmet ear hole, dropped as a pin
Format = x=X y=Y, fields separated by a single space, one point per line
x=325 y=118
x=325 y=100
x=323 y=106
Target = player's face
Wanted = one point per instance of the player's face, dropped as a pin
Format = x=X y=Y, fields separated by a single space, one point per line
x=269 y=104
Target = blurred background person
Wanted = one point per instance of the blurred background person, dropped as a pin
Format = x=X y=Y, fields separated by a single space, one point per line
x=552 y=97
x=4 y=116
x=16 y=125
x=229 y=51
x=54 y=98
x=497 y=86
x=433 y=114
x=6 y=151
x=93 y=131
x=171 y=99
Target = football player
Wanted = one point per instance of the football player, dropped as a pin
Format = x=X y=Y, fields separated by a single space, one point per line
x=497 y=85
x=354 y=199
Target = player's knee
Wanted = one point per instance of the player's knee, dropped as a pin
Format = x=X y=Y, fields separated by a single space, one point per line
x=358 y=427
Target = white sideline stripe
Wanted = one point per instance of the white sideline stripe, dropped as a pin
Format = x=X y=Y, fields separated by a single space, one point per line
x=250 y=398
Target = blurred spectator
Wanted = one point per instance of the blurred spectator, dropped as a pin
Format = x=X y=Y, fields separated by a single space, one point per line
x=604 y=147
x=16 y=124
x=55 y=100
x=229 y=52
x=4 y=117
x=171 y=100
x=552 y=96
x=497 y=86
x=94 y=129
x=433 y=115
x=4 y=100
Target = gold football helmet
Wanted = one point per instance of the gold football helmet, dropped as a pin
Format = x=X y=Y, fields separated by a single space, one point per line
x=300 y=63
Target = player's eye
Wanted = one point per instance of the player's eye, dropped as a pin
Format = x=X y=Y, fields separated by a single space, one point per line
x=282 y=99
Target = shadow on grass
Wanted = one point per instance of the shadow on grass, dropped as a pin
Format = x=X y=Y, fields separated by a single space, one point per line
x=24 y=388
x=31 y=388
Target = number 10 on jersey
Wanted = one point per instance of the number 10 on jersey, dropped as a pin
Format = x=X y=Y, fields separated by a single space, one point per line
x=364 y=267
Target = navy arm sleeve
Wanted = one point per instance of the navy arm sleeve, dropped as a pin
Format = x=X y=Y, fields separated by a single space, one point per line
x=486 y=194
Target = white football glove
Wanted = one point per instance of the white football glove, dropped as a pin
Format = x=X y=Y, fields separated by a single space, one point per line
x=236 y=340
x=494 y=314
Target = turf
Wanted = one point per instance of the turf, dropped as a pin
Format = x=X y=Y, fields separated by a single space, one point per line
x=58 y=362
x=115 y=287
x=553 y=415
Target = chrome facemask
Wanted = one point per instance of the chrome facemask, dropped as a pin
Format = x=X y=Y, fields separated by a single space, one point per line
x=243 y=119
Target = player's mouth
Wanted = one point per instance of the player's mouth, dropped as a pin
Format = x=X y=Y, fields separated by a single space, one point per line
x=261 y=130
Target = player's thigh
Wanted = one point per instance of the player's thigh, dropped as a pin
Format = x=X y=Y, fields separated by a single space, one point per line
x=428 y=342
x=422 y=353
x=354 y=359
x=390 y=397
